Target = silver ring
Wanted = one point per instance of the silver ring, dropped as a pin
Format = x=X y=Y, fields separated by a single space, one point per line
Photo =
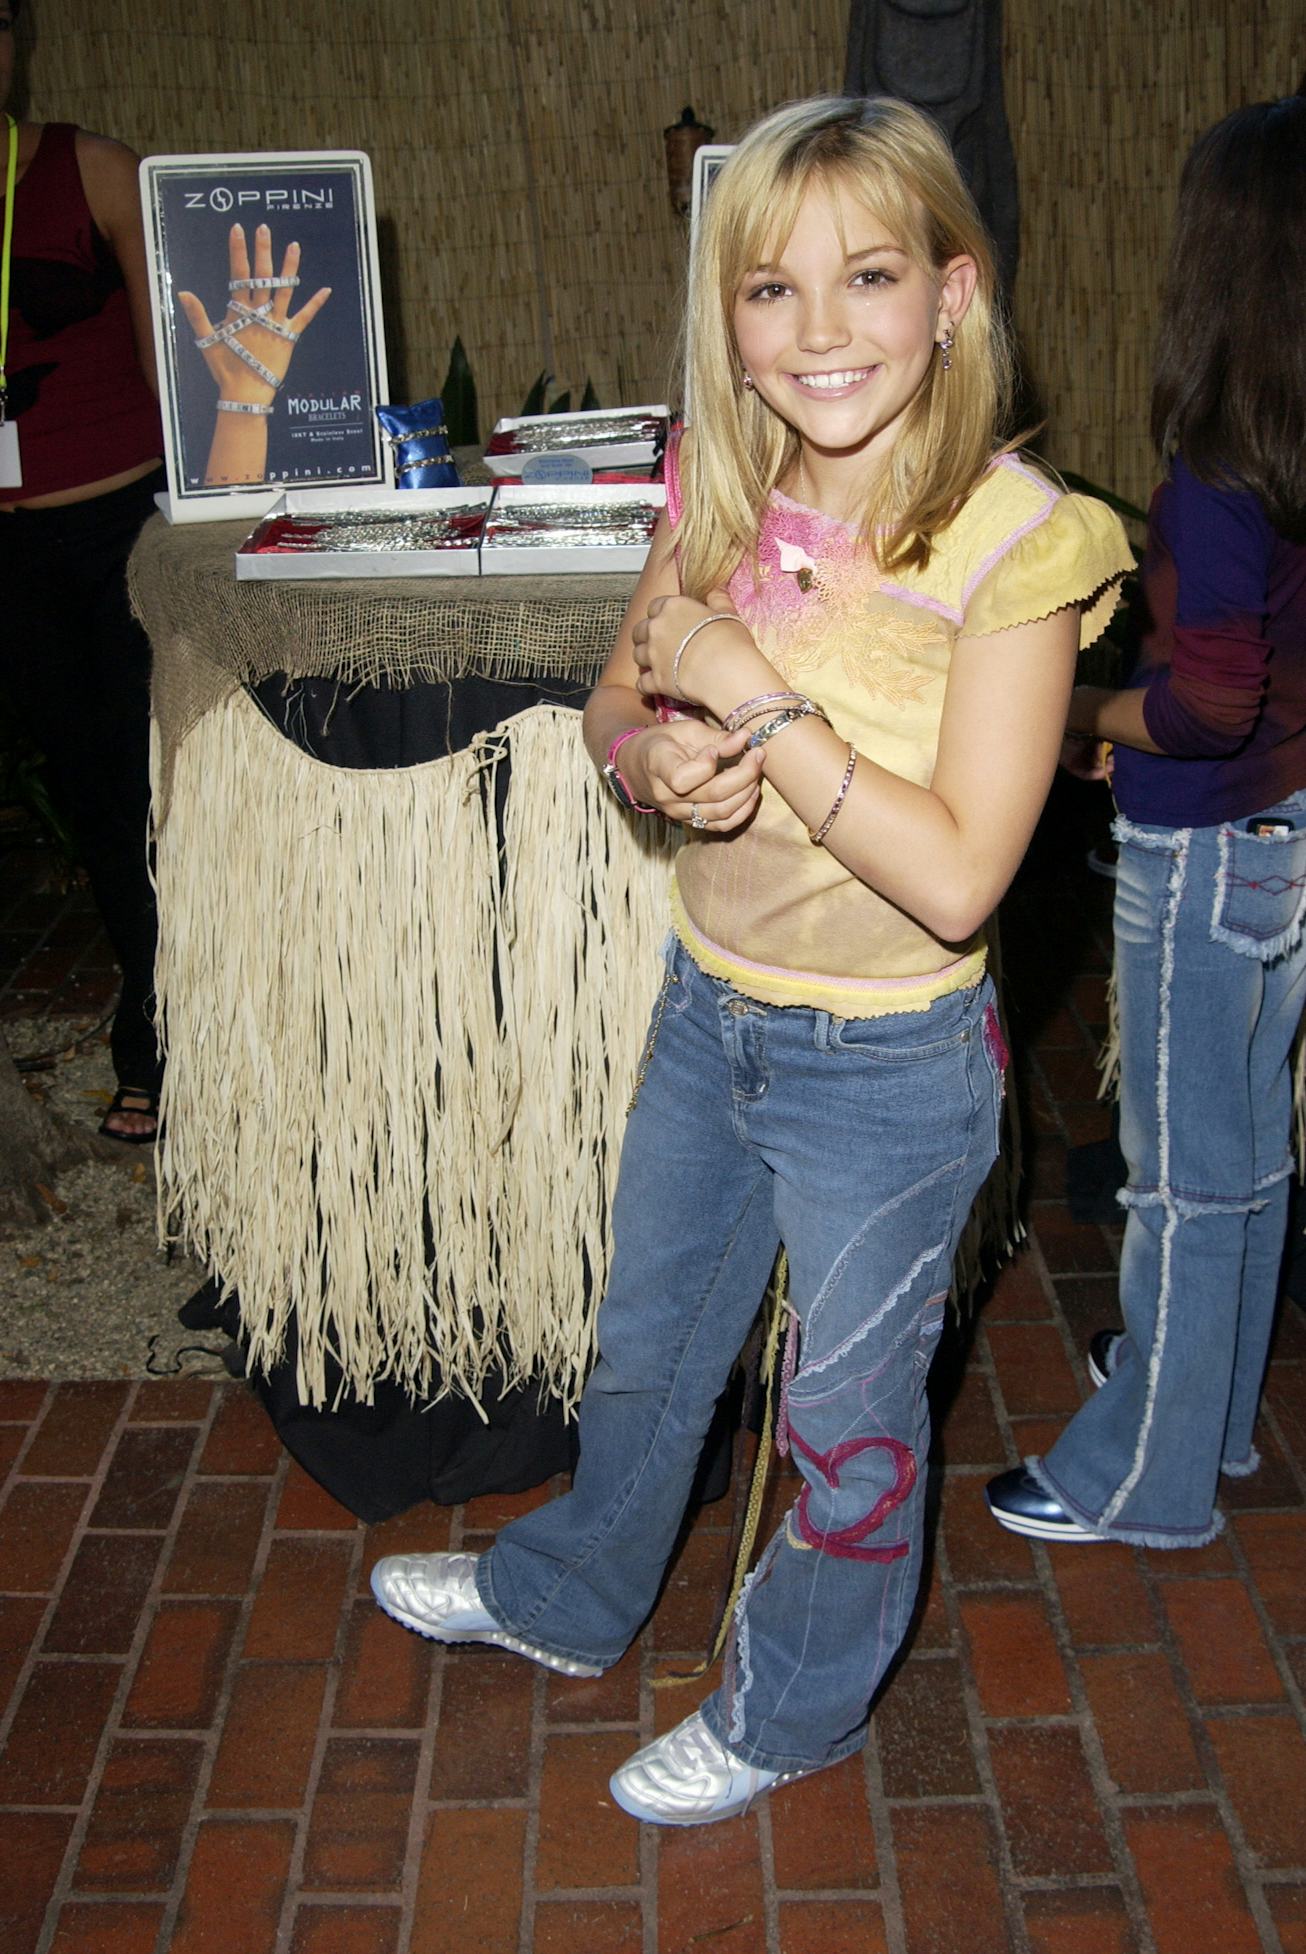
x=697 y=818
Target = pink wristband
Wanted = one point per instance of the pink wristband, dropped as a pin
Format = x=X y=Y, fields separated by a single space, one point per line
x=617 y=780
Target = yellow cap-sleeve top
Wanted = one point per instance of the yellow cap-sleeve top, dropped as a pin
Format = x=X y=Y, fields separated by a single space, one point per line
x=782 y=921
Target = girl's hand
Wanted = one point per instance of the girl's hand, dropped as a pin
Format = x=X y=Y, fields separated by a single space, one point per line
x=271 y=345
x=658 y=636
x=686 y=767
x=1082 y=756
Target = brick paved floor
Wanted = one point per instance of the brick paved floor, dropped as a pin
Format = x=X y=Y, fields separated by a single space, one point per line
x=212 y=1741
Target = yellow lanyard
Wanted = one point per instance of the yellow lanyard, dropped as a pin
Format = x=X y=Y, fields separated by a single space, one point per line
x=11 y=178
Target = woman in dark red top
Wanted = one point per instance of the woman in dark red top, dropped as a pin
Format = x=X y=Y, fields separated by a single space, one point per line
x=81 y=392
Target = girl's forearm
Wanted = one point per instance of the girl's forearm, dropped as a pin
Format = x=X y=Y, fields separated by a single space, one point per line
x=609 y=711
x=1099 y=713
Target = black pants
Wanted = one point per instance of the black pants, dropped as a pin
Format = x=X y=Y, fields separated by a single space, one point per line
x=76 y=668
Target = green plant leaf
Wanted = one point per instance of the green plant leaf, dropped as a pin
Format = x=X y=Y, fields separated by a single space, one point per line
x=562 y=405
x=461 y=415
x=1082 y=486
x=589 y=400
x=535 y=399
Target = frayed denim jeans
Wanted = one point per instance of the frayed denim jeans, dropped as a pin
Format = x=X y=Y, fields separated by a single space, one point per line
x=859 y=1144
x=1211 y=979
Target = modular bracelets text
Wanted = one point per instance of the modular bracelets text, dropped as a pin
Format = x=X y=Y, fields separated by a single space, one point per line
x=808 y=710
x=817 y=835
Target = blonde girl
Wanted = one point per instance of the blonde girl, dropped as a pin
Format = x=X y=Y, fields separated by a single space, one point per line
x=867 y=617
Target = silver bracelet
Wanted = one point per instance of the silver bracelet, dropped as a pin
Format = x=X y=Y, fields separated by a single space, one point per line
x=260 y=284
x=265 y=373
x=242 y=407
x=261 y=316
x=713 y=617
x=789 y=717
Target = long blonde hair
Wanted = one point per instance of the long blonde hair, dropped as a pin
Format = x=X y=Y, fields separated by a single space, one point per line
x=894 y=161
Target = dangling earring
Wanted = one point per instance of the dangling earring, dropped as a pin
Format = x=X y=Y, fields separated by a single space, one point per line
x=945 y=347
x=747 y=383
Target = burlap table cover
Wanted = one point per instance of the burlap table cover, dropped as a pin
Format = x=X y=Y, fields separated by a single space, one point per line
x=402 y=1012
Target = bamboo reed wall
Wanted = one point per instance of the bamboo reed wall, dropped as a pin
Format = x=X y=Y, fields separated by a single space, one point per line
x=521 y=188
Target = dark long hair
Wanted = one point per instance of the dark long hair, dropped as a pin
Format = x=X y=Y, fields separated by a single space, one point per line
x=1230 y=385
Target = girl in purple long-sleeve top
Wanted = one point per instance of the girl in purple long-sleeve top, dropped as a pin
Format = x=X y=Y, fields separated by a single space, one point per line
x=1210 y=780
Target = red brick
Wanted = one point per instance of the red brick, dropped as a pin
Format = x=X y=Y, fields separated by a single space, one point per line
x=483 y=1742
x=217 y=1541
x=20 y=1618
x=585 y=1838
x=346 y=1930
x=296 y=1614
x=1105 y=1600
x=978 y=1548
x=21 y=1399
x=1034 y=1374
x=36 y=1527
x=102 y=1598
x=171 y=1401
x=674 y=1696
x=56 y=1732
x=78 y=1424
x=306 y=1505
x=1019 y=1293
x=970 y=1432
x=922 y=1732
x=610 y=1698
x=141 y=1807
x=242 y=1440
x=1215 y=1557
x=471 y=1865
x=1016 y=1663
x=1285 y=1393
x=1072 y=1247
x=385 y=1678
x=1088 y=1304
x=1275 y=1546
x=931 y=1625
x=145 y=1476
x=1190 y=1888
x=1263 y=1762
x=234 y=1887
x=1221 y=1642
x=358 y=1830
x=947 y=1874
x=1142 y=1722
x=12 y=1440
x=710 y=1891
x=1092 y=1920
x=490 y=1511
x=696 y=1586
x=587 y=1927
x=1287 y=1906
x=1052 y=1818
x=832 y=1927
x=1044 y=1167
x=821 y=1831
x=34 y=1846
x=251 y=1772
x=421 y=1530
x=177 y=1684
x=1275 y=1481
x=97 y=1927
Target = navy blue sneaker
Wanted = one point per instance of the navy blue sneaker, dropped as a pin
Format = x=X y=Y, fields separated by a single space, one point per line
x=1101 y=1354
x=1018 y=1503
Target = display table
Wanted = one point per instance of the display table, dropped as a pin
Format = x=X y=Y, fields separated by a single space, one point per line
x=403 y=1004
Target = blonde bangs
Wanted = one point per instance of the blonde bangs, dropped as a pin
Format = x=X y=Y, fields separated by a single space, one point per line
x=888 y=160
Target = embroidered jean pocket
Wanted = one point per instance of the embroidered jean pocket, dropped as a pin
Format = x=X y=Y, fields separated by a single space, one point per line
x=1260 y=891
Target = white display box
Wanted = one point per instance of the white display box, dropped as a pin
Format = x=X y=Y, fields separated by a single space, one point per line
x=309 y=565
x=622 y=454
x=560 y=559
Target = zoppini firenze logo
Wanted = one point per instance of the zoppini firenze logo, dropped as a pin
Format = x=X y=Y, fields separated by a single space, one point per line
x=223 y=199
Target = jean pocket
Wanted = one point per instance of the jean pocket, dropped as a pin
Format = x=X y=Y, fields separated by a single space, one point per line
x=1260 y=891
x=905 y=1036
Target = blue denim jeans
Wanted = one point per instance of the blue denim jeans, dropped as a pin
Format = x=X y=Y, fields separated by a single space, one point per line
x=860 y=1145
x=1211 y=979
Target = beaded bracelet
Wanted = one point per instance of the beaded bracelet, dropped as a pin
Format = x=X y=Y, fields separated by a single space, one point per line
x=808 y=710
x=817 y=835
x=753 y=708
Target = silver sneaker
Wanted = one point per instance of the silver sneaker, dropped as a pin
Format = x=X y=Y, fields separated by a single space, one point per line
x=688 y=1778
x=435 y=1595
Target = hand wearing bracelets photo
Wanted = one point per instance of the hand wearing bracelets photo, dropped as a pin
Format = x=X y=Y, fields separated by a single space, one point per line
x=249 y=351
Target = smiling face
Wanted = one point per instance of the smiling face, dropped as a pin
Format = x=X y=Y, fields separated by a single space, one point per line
x=837 y=331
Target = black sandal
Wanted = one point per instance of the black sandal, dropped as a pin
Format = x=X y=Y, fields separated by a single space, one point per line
x=145 y=1103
